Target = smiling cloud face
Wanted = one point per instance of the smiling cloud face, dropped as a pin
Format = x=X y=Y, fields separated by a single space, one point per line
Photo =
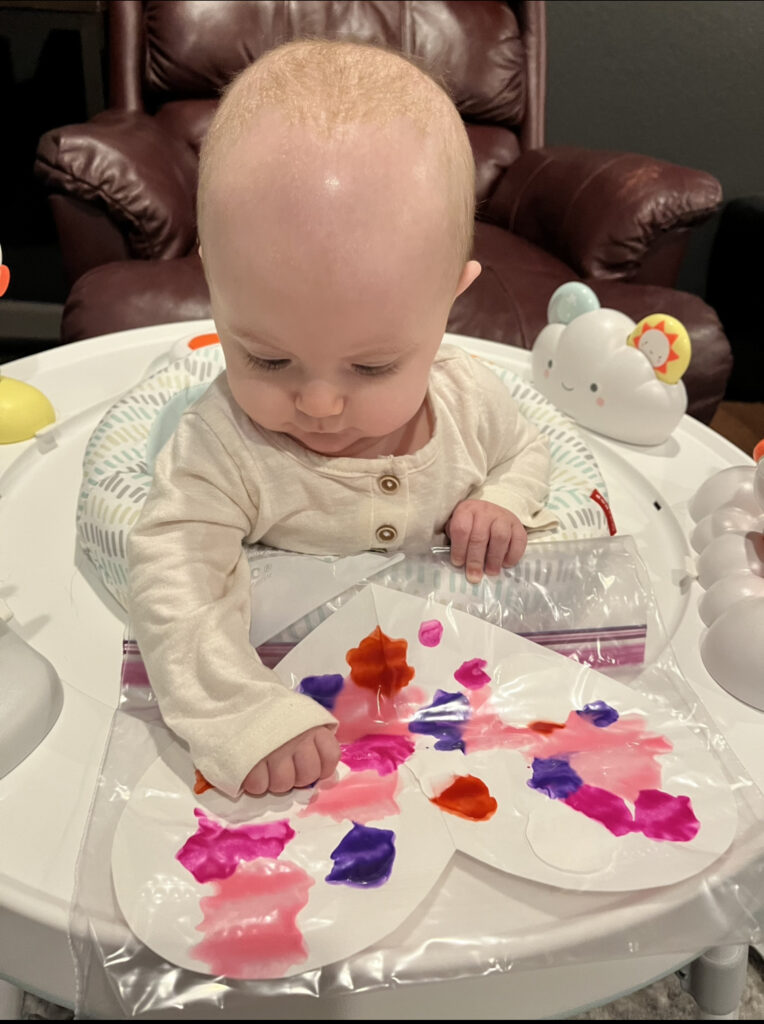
x=587 y=369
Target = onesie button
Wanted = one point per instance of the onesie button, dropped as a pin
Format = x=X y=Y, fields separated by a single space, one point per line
x=389 y=484
x=386 y=534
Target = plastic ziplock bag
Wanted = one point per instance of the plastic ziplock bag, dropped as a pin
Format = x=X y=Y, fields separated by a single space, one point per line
x=477 y=916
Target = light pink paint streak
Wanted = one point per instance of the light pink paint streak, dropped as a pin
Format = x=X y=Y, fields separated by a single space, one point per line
x=363 y=712
x=250 y=923
x=360 y=797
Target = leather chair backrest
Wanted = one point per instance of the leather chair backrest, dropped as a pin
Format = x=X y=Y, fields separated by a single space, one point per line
x=173 y=59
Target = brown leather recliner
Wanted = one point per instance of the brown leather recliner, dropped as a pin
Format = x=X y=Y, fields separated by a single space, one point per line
x=122 y=186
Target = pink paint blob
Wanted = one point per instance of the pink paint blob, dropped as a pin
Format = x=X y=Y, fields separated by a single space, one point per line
x=431 y=633
x=214 y=850
x=361 y=797
x=379 y=752
x=364 y=712
x=250 y=923
x=471 y=674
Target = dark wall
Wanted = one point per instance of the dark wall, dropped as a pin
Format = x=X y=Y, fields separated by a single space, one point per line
x=682 y=80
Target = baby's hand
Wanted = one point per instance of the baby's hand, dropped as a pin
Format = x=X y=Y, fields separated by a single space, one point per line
x=485 y=535
x=311 y=756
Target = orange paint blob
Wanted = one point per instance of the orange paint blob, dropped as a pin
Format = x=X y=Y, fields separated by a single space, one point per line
x=201 y=785
x=202 y=341
x=379 y=664
x=545 y=726
x=467 y=797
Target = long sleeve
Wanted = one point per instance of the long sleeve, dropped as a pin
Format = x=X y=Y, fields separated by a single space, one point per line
x=519 y=460
x=189 y=607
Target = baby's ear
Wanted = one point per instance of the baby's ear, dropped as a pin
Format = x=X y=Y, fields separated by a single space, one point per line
x=470 y=272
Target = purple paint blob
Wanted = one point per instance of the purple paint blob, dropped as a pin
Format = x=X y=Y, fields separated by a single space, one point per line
x=378 y=751
x=444 y=719
x=364 y=857
x=323 y=689
x=555 y=777
x=430 y=633
x=607 y=808
x=599 y=713
x=660 y=815
x=471 y=674
x=214 y=851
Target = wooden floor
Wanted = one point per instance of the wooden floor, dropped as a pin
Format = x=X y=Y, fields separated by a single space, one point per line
x=742 y=423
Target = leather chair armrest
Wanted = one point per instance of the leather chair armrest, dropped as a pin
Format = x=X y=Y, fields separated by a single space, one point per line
x=140 y=174
x=603 y=214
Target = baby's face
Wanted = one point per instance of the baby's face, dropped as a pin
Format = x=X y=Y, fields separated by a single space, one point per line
x=331 y=279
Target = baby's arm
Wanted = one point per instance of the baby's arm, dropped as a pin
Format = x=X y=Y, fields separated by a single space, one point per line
x=190 y=610
x=489 y=530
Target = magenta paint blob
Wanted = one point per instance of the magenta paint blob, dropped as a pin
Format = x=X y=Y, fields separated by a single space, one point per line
x=378 y=752
x=215 y=850
x=472 y=675
x=660 y=815
x=431 y=633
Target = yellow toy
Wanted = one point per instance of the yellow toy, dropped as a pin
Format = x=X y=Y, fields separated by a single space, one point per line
x=665 y=342
x=23 y=409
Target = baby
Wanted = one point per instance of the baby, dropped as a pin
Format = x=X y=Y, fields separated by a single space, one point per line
x=336 y=209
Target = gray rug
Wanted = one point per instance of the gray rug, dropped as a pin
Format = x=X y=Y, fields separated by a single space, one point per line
x=664 y=1000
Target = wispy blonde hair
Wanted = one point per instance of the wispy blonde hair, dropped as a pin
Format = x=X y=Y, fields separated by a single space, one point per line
x=327 y=85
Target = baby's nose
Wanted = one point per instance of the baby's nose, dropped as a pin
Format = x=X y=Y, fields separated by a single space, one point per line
x=319 y=399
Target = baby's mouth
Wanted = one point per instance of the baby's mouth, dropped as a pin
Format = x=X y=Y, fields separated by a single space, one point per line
x=565 y=387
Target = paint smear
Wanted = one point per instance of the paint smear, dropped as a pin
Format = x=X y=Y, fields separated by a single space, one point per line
x=381 y=753
x=545 y=726
x=323 y=689
x=555 y=777
x=467 y=797
x=249 y=924
x=364 y=857
x=379 y=664
x=443 y=719
x=607 y=808
x=618 y=769
x=599 y=714
x=657 y=815
x=431 y=633
x=214 y=850
x=362 y=796
x=365 y=712
x=471 y=674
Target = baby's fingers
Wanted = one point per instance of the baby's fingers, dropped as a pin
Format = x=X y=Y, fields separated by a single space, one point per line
x=517 y=545
x=459 y=531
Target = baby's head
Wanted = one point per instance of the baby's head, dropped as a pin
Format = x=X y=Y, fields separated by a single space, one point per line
x=336 y=210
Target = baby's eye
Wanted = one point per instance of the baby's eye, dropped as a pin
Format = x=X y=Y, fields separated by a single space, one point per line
x=549 y=364
x=374 y=371
x=266 y=364
x=594 y=387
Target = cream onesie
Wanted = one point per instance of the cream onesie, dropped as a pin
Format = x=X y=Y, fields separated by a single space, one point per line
x=221 y=482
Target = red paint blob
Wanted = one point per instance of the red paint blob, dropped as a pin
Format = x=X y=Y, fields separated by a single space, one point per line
x=379 y=664
x=545 y=727
x=467 y=797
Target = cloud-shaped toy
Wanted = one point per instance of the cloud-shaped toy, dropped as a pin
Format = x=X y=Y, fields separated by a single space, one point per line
x=610 y=374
